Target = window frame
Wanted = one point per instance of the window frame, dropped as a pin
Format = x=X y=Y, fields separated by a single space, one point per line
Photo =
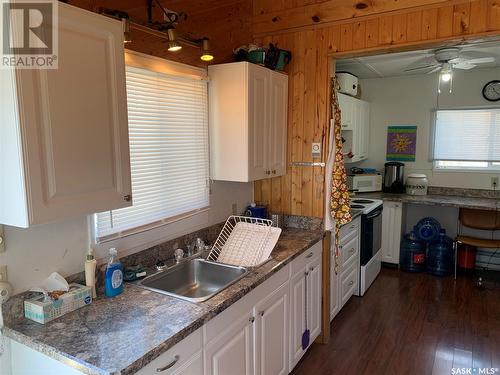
x=159 y=65
x=435 y=167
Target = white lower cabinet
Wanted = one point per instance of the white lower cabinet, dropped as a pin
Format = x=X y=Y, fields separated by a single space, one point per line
x=305 y=298
x=271 y=333
x=231 y=353
x=392 y=218
x=345 y=283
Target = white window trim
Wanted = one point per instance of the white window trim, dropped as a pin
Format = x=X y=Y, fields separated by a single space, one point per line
x=435 y=167
x=128 y=239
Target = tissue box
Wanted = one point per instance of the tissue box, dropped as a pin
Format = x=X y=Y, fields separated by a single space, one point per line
x=44 y=311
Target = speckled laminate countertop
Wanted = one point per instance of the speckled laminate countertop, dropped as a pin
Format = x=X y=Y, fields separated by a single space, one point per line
x=123 y=334
x=438 y=200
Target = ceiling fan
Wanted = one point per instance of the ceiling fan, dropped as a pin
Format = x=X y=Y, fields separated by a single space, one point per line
x=454 y=57
x=445 y=60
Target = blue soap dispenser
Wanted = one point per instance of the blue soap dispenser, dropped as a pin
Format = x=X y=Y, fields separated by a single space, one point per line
x=113 y=277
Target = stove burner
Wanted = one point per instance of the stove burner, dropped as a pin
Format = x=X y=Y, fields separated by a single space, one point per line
x=359 y=206
x=362 y=201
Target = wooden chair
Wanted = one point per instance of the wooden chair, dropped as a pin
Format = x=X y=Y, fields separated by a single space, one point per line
x=477 y=219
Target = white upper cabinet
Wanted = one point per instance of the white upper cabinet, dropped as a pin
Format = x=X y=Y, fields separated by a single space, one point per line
x=355 y=120
x=64 y=137
x=248 y=122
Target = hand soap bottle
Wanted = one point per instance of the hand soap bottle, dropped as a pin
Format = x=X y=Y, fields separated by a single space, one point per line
x=113 y=277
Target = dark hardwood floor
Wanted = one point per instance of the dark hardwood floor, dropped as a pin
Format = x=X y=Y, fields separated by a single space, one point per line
x=412 y=324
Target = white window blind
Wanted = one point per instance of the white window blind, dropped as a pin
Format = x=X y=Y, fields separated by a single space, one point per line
x=467 y=135
x=168 y=136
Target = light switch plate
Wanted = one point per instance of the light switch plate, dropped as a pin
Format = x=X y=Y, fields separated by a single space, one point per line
x=2 y=239
x=316 y=150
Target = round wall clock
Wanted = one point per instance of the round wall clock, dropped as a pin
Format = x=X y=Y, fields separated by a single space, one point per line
x=491 y=91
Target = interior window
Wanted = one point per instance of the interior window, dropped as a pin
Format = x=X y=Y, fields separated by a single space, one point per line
x=467 y=139
x=168 y=137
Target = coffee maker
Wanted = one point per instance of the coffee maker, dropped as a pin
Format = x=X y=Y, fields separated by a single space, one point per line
x=394 y=177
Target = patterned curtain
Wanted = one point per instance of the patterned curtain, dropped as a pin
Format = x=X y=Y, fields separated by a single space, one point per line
x=339 y=199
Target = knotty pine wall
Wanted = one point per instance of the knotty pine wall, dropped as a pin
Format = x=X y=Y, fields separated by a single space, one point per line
x=312 y=38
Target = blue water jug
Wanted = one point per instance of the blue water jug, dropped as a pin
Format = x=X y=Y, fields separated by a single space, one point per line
x=412 y=253
x=440 y=256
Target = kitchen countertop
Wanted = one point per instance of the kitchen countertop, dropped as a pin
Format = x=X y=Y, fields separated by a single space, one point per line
x=123 y=334
x=438 y=200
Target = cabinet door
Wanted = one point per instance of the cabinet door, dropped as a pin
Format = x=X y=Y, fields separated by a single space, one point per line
x=271 y=333
x=258 y=116
x=391 y=231
x=314 y=298
x=334 y=286
x=278 y=111
x=346 y=111
x=74 y=122
x=297 y=317
x=362 y=111
x=231 y=353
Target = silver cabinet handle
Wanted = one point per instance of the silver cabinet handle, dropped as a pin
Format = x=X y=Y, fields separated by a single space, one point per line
x=352 y=226
x=251 y=319
x=127 y=198
x=170 y=365
x=309 y=255
x=351 y=282
x=306 y=273
x=352 y=250
x=261 y=313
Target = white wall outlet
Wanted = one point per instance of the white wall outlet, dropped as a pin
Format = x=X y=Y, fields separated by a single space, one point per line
x=2 y=239
x=494 y=182
x=316 y=150
x=3 y=273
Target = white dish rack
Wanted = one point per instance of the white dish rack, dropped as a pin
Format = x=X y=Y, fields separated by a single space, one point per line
x=245 y=241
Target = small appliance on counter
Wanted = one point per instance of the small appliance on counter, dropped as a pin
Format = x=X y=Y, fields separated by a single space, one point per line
x=256 y=211
x=416 y=184
x=394 y=177
x=365 y=182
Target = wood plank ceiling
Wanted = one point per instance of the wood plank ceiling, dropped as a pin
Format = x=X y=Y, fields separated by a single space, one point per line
x=314 y=29
x=227 y=23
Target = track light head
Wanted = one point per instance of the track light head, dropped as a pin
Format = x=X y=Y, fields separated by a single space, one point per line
x=173 y=44
x=206 y=54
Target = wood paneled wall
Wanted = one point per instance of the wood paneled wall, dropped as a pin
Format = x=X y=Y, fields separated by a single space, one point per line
x=226 y=22
x=301 y=190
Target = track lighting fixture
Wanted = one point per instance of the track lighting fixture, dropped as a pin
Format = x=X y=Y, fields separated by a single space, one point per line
x=126 y=30
x=173 y=44
x=206 y=54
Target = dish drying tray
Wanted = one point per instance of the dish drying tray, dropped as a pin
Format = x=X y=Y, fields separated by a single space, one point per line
x=245 y=241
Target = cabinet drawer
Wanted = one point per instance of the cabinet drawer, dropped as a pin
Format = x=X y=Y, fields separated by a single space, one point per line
x=348 y=283
x=349 y=251
x=350 y=229
x=307 y=256
x=185 y=354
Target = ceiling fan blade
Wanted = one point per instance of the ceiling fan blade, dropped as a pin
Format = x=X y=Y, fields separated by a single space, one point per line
x=464 y=65
x=422 y=67
x=437 y=68
x=481 y=60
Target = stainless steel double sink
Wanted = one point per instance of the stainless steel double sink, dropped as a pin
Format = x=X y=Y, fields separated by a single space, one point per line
x=194 y=280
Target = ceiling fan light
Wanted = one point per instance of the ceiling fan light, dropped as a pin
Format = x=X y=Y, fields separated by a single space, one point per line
x=206 y=55
x=173 y=44
x=445 y=77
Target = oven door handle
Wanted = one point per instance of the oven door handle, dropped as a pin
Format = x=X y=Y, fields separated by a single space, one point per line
x=377 y=213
